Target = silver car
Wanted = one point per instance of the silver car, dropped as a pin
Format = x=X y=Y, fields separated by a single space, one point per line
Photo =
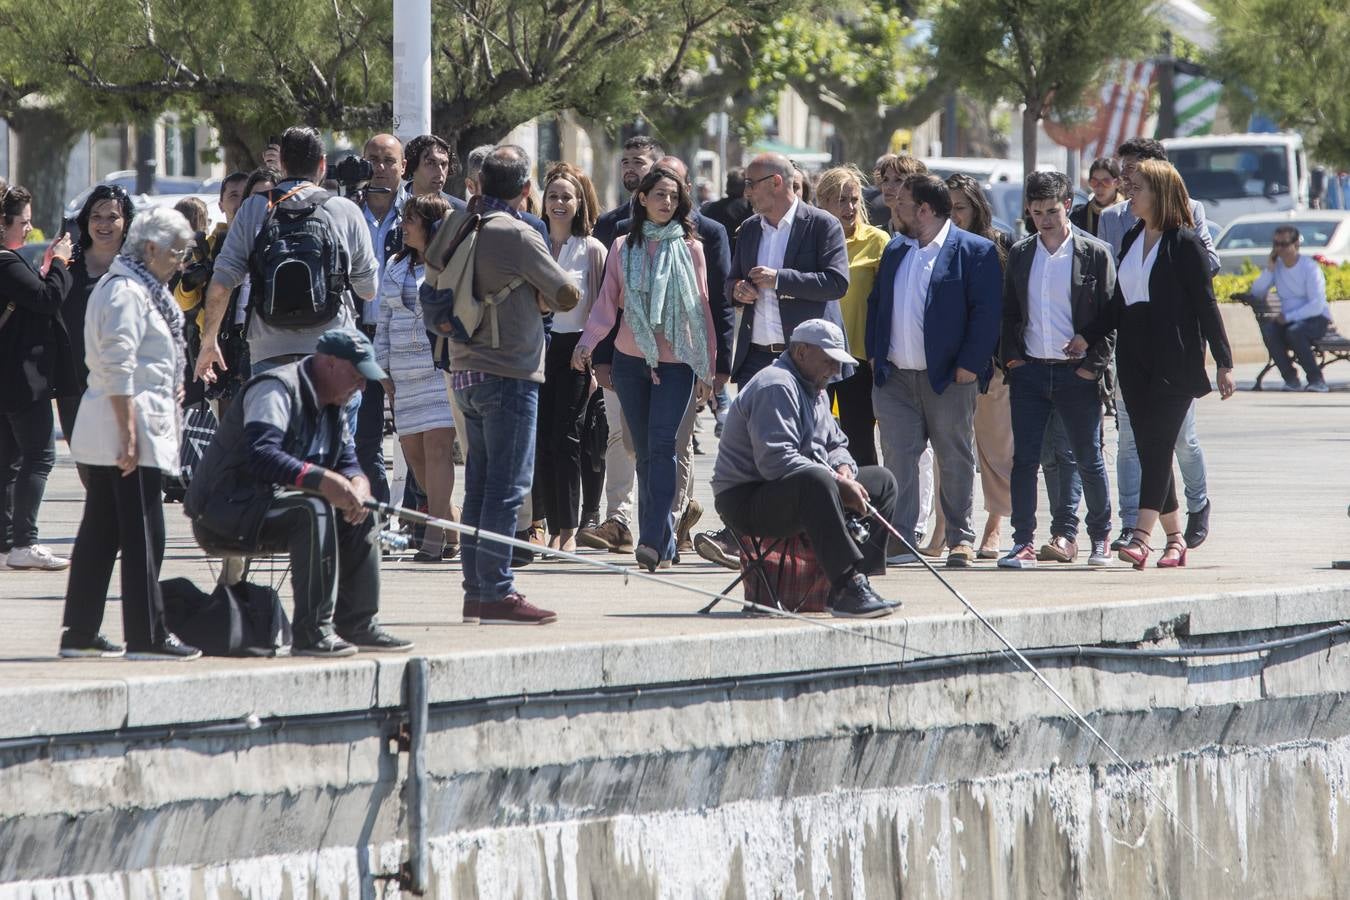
x=1325 y=233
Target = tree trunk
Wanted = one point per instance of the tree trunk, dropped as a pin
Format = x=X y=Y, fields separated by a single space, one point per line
x=46 y=138
x=1031 y=120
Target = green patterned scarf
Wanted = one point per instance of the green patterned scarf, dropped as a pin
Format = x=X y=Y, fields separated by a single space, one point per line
x=661 y=294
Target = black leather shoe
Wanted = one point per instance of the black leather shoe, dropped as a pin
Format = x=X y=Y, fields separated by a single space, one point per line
x=1197 y=525
x=169 y=648
x=330 y=645
x=855 y=599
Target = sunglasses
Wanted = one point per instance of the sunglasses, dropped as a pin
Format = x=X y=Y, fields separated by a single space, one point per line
x=109 y=191
x=1281 y=244
x=762 y=178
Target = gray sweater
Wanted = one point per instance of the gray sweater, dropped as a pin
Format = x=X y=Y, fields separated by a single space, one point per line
x=350 y=229
x=777 y=425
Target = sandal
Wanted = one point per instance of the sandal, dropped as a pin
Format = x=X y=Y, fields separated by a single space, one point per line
x=1136 y=551
x=1175 y=541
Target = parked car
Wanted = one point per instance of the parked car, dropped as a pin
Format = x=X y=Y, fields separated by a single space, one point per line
x=126 y=179
x=1326 y=237
x=1006 y=200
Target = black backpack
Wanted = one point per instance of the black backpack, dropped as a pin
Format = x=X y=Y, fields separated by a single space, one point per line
x=299 y=268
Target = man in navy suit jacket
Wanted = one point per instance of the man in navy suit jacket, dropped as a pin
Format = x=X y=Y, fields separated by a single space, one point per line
x=933 y=321
x=790 y=265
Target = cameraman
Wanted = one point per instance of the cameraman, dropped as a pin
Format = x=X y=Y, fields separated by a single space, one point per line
x=304 y=164
x=190 y=290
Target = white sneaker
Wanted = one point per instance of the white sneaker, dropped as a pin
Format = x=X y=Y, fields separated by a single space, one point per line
x=36 y=557
x=1101 y=554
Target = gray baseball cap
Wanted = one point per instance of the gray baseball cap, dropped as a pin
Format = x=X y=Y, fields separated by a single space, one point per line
x=826 y=335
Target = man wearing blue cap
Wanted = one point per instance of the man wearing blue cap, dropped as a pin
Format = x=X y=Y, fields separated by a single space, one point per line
x=783 y=468
x=288 y=432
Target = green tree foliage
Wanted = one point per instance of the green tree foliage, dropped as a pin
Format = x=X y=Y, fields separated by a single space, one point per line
x=860 y=67
x=1288 y=59
x=1038 y=52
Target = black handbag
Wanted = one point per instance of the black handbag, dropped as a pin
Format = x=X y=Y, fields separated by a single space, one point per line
x=241 y=619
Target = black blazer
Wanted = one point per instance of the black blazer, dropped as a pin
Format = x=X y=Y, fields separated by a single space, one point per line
x=1182 y=316
x=1092 y=284
x=35 y=357
x=813 y=277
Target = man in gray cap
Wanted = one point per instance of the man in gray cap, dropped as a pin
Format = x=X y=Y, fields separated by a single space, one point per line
x=783 y=468
x=286 y=432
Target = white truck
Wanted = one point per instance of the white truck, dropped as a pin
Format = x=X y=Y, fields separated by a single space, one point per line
x=1236 y=174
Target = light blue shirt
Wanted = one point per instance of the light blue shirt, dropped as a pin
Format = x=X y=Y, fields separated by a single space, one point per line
x=1302 y=289
x=379 y=233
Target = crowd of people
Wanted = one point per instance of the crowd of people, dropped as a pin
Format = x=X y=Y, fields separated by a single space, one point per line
x=568 y=352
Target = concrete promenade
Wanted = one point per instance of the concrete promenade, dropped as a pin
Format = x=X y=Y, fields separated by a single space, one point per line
x=1278 y=478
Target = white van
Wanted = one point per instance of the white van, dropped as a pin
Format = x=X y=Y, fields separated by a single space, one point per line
x=1239 y=174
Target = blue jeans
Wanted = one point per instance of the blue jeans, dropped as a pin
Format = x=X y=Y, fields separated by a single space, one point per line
x=499 y=426
x=653 y=413
x=1297 y=338
x=1037 y=389
x=1063 y=487
x=1190 y=459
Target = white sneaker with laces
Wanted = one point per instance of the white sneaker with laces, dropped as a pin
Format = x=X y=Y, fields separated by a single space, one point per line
x=36 y=557
x=1101 y=554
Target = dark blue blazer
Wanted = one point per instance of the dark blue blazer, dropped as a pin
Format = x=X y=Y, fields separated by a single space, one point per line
x=606 y=227
x=963 y=312
x=813 y=277
x=717 y=258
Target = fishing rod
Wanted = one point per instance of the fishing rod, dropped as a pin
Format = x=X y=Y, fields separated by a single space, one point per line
x=1045 y=682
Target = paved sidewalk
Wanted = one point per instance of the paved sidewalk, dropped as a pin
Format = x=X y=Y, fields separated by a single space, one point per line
x=1279 y=479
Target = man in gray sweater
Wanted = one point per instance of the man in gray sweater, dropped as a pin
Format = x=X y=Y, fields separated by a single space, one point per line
x=783 y=468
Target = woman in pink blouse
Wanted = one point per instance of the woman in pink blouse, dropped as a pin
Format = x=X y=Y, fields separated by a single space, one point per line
x=664 y=351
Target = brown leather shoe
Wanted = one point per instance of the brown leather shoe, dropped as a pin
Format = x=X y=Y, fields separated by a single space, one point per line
x=1060 y=549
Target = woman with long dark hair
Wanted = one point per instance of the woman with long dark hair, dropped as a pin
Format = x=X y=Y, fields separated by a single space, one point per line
x=571 y=208
x=102 y=225
x=665 y=349
x=1164 y=313
x=35 y=368
x=993 y=415
x=415 y=388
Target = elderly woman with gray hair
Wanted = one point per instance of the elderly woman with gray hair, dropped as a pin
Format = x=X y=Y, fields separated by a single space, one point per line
x=127 y=433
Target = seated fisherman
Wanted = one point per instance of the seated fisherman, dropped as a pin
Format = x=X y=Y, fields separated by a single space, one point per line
x=1305 y=314
x=783 y=468
x=287 y=430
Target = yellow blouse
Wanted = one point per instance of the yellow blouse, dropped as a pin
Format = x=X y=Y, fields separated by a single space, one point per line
x=864 y=256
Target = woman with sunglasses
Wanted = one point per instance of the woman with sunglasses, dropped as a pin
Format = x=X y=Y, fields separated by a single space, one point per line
x=127 y=436
x=35 y=368
x=102 y=226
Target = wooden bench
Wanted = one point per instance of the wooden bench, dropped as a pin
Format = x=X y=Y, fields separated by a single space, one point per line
x=1329 y=348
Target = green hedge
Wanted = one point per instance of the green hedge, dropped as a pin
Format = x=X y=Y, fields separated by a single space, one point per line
x=1225 y=286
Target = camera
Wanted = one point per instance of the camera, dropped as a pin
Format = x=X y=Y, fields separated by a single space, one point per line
x=198 y=271
x=351 y=172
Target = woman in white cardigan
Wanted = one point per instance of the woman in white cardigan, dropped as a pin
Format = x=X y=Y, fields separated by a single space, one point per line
x=127 y=433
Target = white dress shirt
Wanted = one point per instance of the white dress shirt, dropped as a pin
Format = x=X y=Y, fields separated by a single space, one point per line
x=575 y=260
x=1049 y=305
x=910 y=299
x=1302 y=289
x=767 y=327
x=1135 y=270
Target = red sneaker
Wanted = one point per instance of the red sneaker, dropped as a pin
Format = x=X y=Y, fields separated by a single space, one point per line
x=514 y=609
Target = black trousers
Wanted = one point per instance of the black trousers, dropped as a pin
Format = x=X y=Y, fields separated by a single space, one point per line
x=562 y=412
x=120 y=514
x=1156 y=418
x=335 y=566
x=27 y=453
x=369 y=439
x=808 y=501
x=856 y=417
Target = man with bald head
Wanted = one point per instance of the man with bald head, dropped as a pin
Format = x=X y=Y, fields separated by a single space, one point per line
x=790 y=266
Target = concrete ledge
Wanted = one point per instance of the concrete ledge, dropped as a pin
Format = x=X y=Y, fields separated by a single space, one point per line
x=268 y=688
